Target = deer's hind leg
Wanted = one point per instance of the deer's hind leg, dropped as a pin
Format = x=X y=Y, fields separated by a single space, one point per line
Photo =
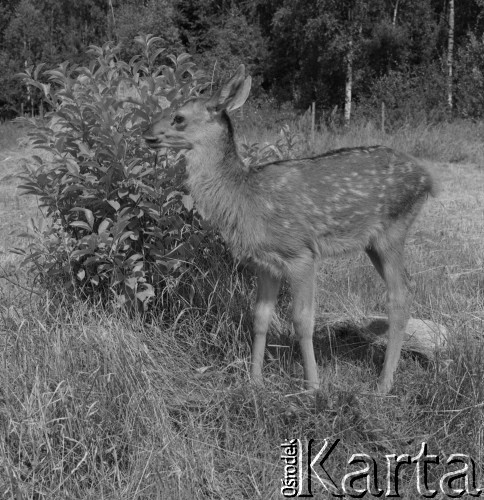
x=387 y=255
x=267 y=291
x=303 y=284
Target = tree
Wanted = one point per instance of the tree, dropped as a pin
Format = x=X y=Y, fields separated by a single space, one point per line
x=354 y=13
x=317 y=48
x=221 y=35
x=450 y=56
x=469 y=77
x=153 y=16
x=25 y=36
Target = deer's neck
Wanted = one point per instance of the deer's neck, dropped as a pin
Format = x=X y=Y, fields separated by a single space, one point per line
x=216 y=175
x=217 y=179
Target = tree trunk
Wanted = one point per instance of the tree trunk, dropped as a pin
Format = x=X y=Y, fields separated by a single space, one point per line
x=348 y=83
x=395 y=12
x=313 y=122
x=111 y=19
x=450 y=56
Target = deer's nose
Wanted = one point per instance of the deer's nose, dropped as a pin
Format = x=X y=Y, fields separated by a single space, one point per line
x=149 y=133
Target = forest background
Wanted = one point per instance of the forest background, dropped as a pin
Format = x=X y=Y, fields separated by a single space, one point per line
x=422 y=60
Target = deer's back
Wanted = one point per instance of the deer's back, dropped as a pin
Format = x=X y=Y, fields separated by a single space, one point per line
x=332 y=202
x=344 y=182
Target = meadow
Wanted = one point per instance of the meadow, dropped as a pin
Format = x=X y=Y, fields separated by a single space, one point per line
x=96 y=404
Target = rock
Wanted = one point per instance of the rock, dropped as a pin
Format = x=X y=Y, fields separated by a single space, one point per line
x=421 y=336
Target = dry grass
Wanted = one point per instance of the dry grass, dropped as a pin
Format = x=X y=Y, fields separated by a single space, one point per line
x=97 y=405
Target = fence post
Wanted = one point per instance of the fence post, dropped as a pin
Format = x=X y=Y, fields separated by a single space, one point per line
x=383 y=117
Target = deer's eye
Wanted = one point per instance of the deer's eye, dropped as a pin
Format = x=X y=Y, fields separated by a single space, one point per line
x=178 y=119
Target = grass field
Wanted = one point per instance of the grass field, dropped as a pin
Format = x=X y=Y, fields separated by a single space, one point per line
x=97 y=405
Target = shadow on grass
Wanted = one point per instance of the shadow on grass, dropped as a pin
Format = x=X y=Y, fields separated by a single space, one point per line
x=345 y=341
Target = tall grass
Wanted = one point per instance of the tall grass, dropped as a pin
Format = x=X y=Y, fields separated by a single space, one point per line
x=10 y=133
x=99 y=405
x=456 y=141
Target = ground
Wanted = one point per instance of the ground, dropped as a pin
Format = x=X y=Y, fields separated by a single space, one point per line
x=97 y=405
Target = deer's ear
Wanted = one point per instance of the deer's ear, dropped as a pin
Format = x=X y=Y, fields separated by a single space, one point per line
x=233 y=94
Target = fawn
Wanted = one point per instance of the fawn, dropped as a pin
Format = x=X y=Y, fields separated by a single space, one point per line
x=286 y=215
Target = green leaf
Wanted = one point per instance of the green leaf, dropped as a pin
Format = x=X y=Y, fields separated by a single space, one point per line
x=104 y=226
x=89 y=215
x=145 y=294
x=25 y=235
x=84 y=150
x=131 y=282
x=82 y=224
x=187 y=201
x=134 y=258
x=76 y=254
x=125 y=235
x=114 y=204
x=72 y=167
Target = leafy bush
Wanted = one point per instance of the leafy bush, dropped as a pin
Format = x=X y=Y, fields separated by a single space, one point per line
x=121 y=224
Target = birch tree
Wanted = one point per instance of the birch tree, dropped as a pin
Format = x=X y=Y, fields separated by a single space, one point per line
x=354 y=15
x=450 y=56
